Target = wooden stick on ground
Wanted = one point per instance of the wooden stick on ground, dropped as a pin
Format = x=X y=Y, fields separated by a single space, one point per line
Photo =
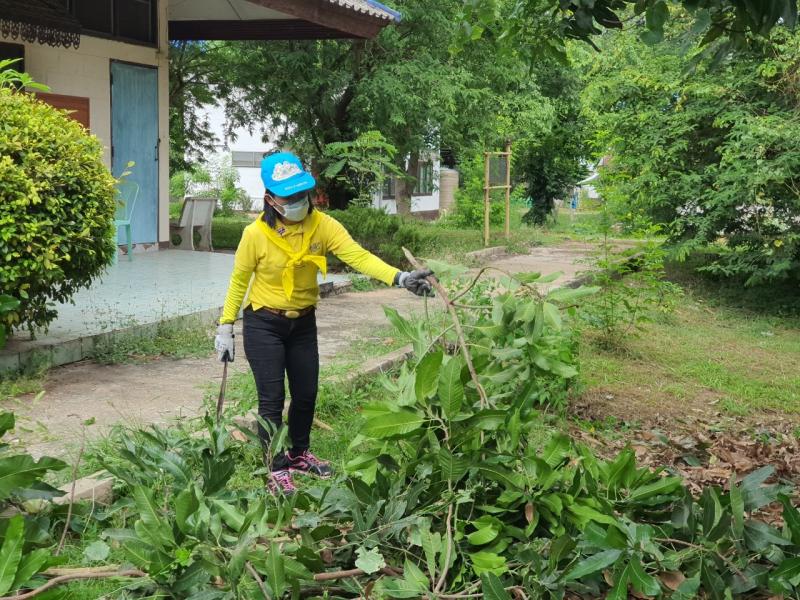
x=457 y=324
x=72 y=577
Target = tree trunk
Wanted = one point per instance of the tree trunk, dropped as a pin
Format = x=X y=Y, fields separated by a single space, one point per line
x=405 y=185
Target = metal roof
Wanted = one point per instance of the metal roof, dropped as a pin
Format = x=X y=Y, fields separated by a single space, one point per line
x=369 y=7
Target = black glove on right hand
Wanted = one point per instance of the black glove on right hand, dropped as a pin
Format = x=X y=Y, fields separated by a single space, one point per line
x=416 y=282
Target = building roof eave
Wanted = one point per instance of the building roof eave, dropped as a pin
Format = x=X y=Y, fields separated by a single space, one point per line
x=43 y=21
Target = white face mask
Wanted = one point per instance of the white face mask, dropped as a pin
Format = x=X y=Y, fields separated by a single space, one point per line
x=294 y=211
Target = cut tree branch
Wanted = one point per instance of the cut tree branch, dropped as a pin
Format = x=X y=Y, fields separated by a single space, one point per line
x=72 y=577
x=457 y=323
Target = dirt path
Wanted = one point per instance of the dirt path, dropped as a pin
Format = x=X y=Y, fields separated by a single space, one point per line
x=162 y=390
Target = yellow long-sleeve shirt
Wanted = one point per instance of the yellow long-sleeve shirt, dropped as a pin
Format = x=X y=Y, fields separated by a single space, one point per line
x=262 y=260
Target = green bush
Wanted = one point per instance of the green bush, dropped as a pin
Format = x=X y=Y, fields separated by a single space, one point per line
x=227 y=231
x=56 y=208
x=382 y=234
x=468 y=211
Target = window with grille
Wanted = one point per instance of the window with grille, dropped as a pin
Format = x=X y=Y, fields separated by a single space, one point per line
x=388 y=187
x=246 y=159
x=424 y=185
x=132 y=20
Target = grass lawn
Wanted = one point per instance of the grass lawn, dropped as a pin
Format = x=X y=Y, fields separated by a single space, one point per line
x=705 y=359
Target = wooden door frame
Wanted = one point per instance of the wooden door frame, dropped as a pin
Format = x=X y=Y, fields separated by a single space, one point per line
x=111 y=62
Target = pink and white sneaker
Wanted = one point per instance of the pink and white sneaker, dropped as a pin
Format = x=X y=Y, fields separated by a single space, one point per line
x=306 y=462
x=280 y=482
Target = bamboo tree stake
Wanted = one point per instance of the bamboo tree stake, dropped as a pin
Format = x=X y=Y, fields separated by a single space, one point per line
x=457 y=324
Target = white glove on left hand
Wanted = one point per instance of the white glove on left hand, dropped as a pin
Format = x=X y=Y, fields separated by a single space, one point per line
x=223 y=342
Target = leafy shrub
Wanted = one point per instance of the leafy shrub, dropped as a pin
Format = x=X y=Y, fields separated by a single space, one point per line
x=632 y=285
x=362 y=165
x=382 y=234
x=468 y=210
x=56 y=208
x=226 y=232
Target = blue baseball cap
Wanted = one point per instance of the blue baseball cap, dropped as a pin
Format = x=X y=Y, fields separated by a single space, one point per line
x=283 y=174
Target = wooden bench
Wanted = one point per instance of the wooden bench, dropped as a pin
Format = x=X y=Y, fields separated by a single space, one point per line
x=196 y=215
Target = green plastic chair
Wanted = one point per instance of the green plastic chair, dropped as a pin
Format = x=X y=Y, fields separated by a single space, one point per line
x=128 y=192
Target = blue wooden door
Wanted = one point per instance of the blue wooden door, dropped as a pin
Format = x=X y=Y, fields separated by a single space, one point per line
x=134 y=137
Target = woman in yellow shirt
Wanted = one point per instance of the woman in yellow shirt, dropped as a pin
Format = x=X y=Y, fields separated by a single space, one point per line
x=282 y=252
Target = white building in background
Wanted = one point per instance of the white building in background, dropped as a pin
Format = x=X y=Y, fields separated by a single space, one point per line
x=246 y=149
x=424 y=198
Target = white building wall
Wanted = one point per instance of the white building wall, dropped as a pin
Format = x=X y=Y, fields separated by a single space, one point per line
x=86 y=72
x=418 y=203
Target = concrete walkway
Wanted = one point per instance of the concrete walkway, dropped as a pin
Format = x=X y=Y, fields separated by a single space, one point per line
x=162 y=390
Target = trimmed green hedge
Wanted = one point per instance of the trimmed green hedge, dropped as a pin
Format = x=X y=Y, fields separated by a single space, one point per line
x=382 y=234
x=227 y=231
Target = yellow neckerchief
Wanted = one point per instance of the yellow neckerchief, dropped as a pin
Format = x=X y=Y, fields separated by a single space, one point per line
x=296 y=259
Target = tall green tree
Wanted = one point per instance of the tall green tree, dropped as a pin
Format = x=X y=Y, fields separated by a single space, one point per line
x=407 y=84
x=707 y=150
x=552 y=164
x=196 y=69
x=538 y=27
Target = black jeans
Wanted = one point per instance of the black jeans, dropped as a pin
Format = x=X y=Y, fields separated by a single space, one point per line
x=275 y=345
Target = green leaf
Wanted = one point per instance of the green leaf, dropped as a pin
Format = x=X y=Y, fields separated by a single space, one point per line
x=552 y=315
x=96 y=551
x=759 y=536
x=665 y=485
x=571 y=295
x=158 y=533
x=276 y=575
x=21 y=471
x=11 y=552
x=398 y=423
x=737 y=508
x=186 y=504
x=643 y=582
x=400 y=588
x=789 y=569
x=487 y=420
x=453 y=467
x=370 y=561
x=501 y=475
x=6 y=422
x=792 y=518
x=492 y=587
x=488 y=562
x=414 y=575
x=556 y=450
x=401 y=324
x=31 y=564
x=593 y=564
x=427 y=372
x=656 y=15
x=620 y=589
x=585 y=514
x=550 y=278
x=484 y=535
x=451 y=388
x=443 y=269
x=754 y=493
